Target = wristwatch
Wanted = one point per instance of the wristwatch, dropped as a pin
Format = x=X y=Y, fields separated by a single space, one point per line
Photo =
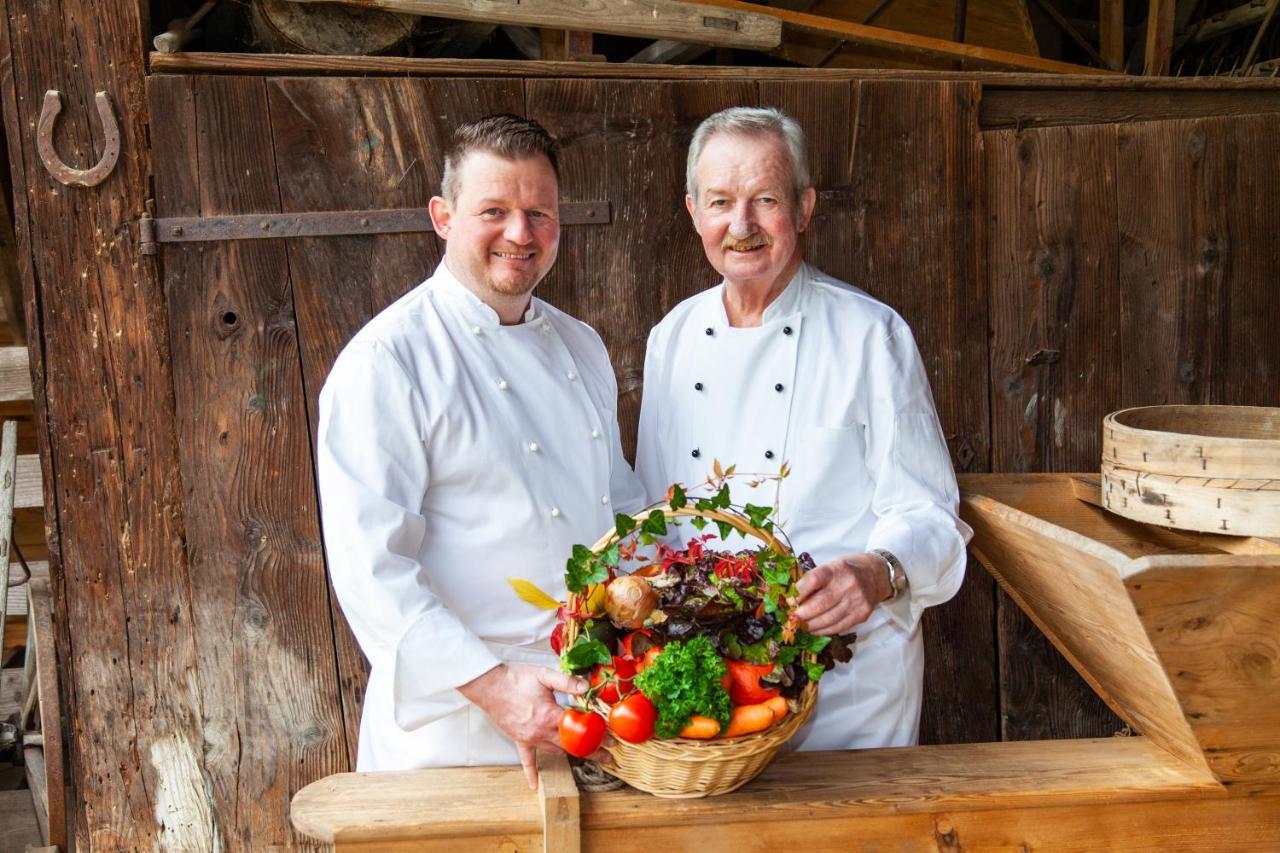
x=897 y=575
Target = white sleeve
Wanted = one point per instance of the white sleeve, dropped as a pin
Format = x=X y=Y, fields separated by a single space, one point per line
x=372 y=470
x=915 y=498
x=649 y=462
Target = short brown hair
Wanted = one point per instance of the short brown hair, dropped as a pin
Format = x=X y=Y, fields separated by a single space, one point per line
x=508 y=136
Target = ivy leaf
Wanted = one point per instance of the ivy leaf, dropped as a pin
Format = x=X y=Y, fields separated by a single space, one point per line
x=528 y=591
x=725 y=529
x=721 y=500
x=582 y=569
x=698 y=522
x=704 y=505
x=646 y=538
x=609 y=556
x=679 y=500
x=812 y=642
x=814 y=670
x=655 y=524
x=585 y=653
x=757 y=514
x=623 y=524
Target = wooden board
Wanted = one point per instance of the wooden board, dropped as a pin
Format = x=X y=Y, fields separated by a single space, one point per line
x=995 y=790
x=1055 y=366
x=18 y=825
x=272 y=716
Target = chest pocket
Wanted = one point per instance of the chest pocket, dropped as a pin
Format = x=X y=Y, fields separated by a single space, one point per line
x=828 y=474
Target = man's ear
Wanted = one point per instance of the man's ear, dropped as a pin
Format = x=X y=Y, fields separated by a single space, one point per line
x=441 y=216
x=693 y=213
x=808 y=199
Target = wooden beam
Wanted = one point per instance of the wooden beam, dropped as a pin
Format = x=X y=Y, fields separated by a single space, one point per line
x=1047 y=108
x=1159 y=50
x=908 y=42
x=1111 y=33
x=1229 y=21
x=692 y=22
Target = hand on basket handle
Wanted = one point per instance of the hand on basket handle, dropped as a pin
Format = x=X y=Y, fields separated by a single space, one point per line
x=521 y=702
x=839 y=595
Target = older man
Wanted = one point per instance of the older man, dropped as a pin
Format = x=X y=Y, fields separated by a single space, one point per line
x=468 y=434
x=782 y=362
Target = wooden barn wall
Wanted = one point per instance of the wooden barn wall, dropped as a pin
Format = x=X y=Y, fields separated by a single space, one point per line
x=1050 y=274
x=1129 y=265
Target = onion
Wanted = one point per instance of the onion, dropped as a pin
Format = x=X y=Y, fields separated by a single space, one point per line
x=629 y=600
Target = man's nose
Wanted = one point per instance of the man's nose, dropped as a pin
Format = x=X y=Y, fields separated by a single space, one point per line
x=518 y=229
x=743 y=223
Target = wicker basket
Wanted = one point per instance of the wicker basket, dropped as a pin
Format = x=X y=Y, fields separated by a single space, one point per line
x=683 y=768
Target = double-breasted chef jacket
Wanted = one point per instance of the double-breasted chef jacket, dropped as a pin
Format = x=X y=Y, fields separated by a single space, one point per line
x=453 y=453
x=831 y=383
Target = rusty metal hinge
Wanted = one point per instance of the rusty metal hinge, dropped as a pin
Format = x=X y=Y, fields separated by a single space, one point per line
x=327 y=223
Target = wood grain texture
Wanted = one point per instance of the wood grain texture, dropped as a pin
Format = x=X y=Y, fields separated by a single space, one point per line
x=844 y=793
x=51 y=712
x=1055 y=366
x=627 y=142
x=272 y=716
x=558 y=804
x=1215 y=624
x=1021 y=108
x=104 y=399
x=1072 y=588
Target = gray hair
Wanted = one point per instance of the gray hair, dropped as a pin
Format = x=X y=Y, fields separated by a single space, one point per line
x=751 y=121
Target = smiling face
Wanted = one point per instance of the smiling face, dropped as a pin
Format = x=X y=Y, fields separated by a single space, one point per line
x=502 y=232
x=747 y=213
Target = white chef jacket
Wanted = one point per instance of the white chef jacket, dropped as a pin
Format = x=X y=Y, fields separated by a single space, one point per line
x=830 y=382
x=453 y=453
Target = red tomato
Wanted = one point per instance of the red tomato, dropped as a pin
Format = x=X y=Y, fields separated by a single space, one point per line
x=626 y=641
x=624 y=669
x=632 y=719
x=581 y=732
x=648 y=659
x=746 y=689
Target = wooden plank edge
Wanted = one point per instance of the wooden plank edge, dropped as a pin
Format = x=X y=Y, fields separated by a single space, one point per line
x=37 y=781
x=279 y=64
x=558 y=801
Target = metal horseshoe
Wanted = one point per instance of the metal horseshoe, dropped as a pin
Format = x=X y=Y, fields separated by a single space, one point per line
x=49 y=155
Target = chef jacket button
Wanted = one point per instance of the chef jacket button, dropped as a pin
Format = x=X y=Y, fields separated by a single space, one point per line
x=572 y=376
x=546 y=327
x=786 y=330
x=475 y=330
x=595 y=433
x=533 y=447
x=604 y=499
x=502 y=385
x=697 y=386
x=768 y=454
x=710 y=331
x=778 y=387
x=696 y=453
x=555 y=512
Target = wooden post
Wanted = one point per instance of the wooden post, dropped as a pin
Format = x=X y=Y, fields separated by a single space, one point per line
x=1159 y=38
x=558 y=801
x=1111 y=33
x=566 y=45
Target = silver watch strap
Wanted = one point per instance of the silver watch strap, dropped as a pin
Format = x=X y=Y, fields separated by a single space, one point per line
x=897 y=575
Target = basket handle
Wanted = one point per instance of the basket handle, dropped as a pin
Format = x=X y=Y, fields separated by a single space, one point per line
x=733 y=519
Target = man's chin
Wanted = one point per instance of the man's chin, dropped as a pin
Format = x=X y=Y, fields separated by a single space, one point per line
x=514 y=285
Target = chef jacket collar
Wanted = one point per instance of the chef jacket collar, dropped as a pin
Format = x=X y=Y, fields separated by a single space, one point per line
x=473 y=307
x=786 y=304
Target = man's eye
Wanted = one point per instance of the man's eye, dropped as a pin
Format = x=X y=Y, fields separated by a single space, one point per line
x=491 y=212
x=719 y=202
x=768 y=200
x=537 y=214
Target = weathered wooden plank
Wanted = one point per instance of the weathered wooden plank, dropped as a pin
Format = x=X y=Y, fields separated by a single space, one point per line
x=104 y=398
x=849 y=790
x=19 y=825
x=272 y=714
x=392 y=157
x=628 y=142
x=1247 y=371
x=696 y=22
x=1174 y=267
x=1159 y=44
x=558 y=804
x=1111 y=33
x=37 y=784
x=10 y=282
x=1020 y=108
x=46 y=680
x=1055 y=367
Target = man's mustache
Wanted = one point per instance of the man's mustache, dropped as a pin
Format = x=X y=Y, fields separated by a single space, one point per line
x=756 y=242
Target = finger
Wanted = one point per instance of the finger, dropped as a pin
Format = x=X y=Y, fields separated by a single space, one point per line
x=561 y=681
x=817 y=604
x=529 y=761
x=813 y=581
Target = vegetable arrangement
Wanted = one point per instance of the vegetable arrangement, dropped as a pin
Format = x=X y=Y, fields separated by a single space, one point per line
x=695 y=643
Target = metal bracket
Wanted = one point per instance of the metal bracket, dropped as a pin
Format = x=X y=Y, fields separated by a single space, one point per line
x=327 y=223
x=49 y=155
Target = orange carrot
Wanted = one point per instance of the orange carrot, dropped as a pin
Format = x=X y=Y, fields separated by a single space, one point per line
x=749 y=719
x=778 y=706
x=701 y=728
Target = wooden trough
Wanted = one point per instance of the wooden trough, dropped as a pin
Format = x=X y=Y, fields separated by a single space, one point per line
x=1178 y=632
